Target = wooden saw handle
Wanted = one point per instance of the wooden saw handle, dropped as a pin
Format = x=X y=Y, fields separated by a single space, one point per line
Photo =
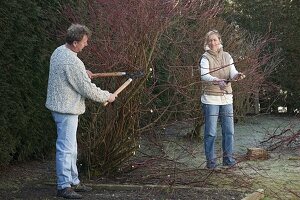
x=122 y=87
x=108 y=74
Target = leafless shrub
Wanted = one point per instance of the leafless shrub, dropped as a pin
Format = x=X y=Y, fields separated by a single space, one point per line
x=282 y=137
x=164 y=39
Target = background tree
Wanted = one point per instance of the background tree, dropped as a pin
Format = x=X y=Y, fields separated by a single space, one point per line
x=278 y=19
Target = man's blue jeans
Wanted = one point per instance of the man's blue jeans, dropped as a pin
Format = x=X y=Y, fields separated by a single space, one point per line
x=211 y=115
x=66 y=150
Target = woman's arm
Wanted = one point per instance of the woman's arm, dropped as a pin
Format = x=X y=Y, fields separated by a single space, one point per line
x=204 y=70
x=233 y=71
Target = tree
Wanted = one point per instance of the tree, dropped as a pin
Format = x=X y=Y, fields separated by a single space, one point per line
x=279 y=19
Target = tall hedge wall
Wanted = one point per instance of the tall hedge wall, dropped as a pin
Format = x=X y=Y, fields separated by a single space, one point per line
x=27 y=40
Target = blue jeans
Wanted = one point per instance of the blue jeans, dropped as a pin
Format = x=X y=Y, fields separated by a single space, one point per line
x=211 y=115
x=66 y=150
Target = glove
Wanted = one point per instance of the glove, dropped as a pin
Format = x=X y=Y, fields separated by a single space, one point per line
x=239 y=76
x=221 y=82
x=222 y=85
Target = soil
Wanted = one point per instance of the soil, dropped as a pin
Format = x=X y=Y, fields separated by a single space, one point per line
x=36 y=180
x=149 y=179
x=174 y=169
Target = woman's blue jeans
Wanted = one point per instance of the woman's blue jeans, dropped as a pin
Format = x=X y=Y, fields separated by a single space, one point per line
x=211 y=115
x=66 y=150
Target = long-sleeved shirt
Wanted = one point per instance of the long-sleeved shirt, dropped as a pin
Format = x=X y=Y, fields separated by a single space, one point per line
x=69 y=84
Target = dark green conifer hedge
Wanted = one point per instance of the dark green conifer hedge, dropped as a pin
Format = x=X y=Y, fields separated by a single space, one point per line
x=28 y=37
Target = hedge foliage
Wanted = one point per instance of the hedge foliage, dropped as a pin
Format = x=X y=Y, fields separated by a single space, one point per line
x=28 y=30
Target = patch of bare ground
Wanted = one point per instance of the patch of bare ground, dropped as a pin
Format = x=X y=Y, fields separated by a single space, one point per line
x=156 y=180
x=168 y=166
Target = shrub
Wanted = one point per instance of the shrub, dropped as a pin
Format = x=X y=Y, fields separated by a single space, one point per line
x=28 y=38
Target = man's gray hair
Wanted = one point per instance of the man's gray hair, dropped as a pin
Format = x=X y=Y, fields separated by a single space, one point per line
x=76 y=32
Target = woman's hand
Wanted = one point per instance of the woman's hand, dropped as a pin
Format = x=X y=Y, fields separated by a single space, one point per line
x=239 y=76
x=221 y=82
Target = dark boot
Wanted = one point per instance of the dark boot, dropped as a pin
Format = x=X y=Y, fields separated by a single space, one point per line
x=81 y=188
x=68 y=193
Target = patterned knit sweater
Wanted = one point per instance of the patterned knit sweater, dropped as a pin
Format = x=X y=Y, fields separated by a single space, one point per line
x=69 y=84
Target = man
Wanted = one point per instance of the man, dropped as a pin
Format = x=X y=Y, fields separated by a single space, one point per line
x=68 y=85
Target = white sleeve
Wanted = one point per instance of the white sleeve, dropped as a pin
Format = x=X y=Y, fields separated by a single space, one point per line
x=233 y=70
x=79 y=80
x=204 y=69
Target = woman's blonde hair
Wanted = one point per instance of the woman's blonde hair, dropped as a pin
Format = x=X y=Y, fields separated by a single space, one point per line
x=209 y=33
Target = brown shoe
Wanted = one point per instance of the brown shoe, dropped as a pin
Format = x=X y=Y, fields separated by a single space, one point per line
x=81 y=188
x=68 y=193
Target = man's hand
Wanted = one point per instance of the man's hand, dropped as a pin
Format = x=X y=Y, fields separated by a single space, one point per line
x=89 y=73
x=239 y=76
x=112 y=98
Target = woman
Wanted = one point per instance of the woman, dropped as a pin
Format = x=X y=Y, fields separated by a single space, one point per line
x=217 y=69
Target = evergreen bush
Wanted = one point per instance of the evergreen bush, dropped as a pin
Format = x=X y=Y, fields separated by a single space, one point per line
x=28 y=31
